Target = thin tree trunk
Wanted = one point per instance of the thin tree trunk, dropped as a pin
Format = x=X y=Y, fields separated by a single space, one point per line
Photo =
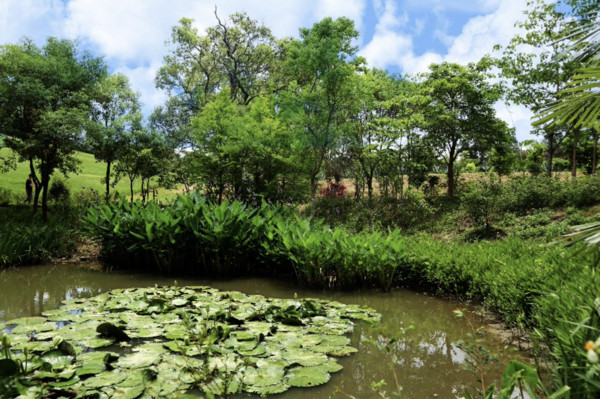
x=550 y=138
x=45 y=183
x=131 y=188
x=107 y=181
x=450 y=177
x=595 y=153
x=574 y=159
x=38 y=186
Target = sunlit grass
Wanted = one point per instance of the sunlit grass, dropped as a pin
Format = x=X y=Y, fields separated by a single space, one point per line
x=89 y=176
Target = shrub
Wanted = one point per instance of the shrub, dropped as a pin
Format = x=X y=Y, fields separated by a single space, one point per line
x=25 y=239
x=6 y=197
x=480 y=202
x=59 y=192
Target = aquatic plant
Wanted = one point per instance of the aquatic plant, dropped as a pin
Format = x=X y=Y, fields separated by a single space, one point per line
x=165 y=341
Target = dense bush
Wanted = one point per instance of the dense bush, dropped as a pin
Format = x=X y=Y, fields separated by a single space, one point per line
x=525 y=193
x=408 y=212
x=59 y=191
x=190 y=236
x=25 y=239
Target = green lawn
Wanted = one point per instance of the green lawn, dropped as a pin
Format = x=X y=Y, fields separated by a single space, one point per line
x=89 y=176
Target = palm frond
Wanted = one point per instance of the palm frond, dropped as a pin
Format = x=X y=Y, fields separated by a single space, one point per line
x=579 y=105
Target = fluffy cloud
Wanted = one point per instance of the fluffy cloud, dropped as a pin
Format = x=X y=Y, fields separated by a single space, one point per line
x=481 y=33
x=36 y=19
x=392 y=45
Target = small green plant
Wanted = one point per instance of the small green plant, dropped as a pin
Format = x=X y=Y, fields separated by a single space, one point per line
x=479 y=360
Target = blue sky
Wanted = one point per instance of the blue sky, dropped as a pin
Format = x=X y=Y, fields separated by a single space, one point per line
x=402 y=36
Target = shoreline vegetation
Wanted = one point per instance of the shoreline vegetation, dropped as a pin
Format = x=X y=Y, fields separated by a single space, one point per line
x=491 y=244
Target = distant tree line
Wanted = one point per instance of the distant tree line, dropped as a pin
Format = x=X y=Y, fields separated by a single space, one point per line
x=253 y=117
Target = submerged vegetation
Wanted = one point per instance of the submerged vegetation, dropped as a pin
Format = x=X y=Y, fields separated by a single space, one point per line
x=165 y=341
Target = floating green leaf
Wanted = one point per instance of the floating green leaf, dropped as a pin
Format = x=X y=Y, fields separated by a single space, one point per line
x=307 y=376
x=251 y=343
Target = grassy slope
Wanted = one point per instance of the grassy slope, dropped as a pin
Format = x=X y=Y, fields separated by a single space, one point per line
x=90 y=175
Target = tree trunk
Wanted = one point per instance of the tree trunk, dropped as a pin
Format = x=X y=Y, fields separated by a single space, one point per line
x=143 y=192
x=370 y=186
x=38 y=186
x=313 y=185
x=595 y=153
x=107 y=181
x=131 y=188
x=450 y=176
x=45 y=183
x=550 y=138
x=574 y=159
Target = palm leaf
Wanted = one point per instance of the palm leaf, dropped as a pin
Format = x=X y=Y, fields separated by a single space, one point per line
x=579 y=104
x=588 y=233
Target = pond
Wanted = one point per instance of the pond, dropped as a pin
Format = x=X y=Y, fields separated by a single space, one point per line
x=428 y=356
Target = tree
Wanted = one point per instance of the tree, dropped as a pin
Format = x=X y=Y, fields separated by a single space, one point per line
x=321 y=63
x=460 y=112
x=579 y=103
x=244 y=152
x=367 y=131
x=145 y=156
x=115 y=111
x=238 y=57
x=45 y=98
x=536 y=65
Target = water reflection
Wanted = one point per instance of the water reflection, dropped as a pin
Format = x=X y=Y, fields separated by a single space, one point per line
x=428 y=357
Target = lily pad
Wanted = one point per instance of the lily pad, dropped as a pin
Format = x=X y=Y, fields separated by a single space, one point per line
x=138 y=360
x=271 y=374
x=307 y=376
x=106 y=379
x=89 y=369
x=252 y=344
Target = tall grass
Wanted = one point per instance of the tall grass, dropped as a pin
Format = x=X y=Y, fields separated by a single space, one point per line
x=25 y=239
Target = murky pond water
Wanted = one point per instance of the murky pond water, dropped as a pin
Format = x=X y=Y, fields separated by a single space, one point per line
x=427 y=357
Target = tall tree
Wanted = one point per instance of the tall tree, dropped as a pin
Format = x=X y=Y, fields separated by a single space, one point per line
x=238 y=56
x=321 y=63
x=115 y=111
x=535 y=64
x=45 y=98
x=461 y=111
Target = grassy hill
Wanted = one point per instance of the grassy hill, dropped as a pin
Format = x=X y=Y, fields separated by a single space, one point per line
x=89 y=176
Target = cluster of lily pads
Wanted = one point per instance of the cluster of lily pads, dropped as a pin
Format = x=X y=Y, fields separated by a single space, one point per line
x=176 y=341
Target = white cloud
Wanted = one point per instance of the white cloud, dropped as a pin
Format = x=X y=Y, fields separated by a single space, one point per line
x=353 y=9
x=36 y=19
x=473 y=6
x=142 y=81
x=413 y=64
x=481 y=33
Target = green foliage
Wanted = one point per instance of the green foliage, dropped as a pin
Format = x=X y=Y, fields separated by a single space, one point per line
x=410 y=213
x=59 y=191
x=460 y=114
x=190 y=236
x=246 y=153
x=481 y=202
x=24 y=240
x=195 y=237
x=6 y=197
x=45 y=96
